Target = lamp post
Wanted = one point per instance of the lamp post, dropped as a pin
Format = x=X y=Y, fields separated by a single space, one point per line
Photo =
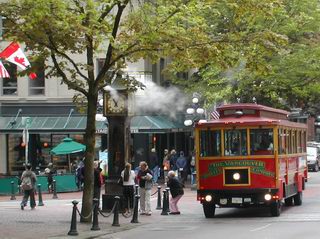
x=194 y=114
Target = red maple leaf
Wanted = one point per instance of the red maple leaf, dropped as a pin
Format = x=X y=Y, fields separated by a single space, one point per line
x=19 y=60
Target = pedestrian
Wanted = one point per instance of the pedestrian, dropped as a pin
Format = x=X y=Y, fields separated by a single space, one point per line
x=145 y=183
x=28 y=185
x=80 y=175
x=97 y=180
x=182 y=167
x=154 y=165
x=173 y=159
x=49 y=175
x=176 y=190
x=166 y=163
x=192 y=167
x=128 y=177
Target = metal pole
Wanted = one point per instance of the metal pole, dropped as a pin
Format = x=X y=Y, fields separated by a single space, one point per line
x=73 y=228
x=116 y=212
x=95 y=222
x=40 y=203
x=26 y=144
x=159 y=199
x=135 y=210
x=167 y=199
x=54 y=185
x=164 y=207
x=13 y=197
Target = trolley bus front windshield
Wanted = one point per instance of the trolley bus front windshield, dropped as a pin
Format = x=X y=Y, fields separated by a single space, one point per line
x=235 y=142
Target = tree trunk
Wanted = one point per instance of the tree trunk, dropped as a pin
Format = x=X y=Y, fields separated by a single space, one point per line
x=89 y=139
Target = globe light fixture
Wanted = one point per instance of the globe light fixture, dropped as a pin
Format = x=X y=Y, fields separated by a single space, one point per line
x=200 y=111
x=190 y=111
x=188 y=122
x=195 y=100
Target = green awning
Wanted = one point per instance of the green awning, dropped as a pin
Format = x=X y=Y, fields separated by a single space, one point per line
x=155 y=124
x=68 y=146
x=77 y=124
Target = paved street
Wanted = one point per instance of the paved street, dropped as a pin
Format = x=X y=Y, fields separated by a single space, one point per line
x=53 y=220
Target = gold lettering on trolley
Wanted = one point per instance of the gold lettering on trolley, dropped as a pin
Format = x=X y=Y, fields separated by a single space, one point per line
x=257 y=167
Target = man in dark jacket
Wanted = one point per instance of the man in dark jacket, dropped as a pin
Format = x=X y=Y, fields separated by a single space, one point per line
x=176 y=190
x=28 y=185
x=97 y=183
x=154 y=165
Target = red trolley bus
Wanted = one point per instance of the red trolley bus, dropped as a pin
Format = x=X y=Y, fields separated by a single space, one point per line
x=252 y=156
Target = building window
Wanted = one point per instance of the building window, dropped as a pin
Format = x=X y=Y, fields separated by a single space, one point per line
x=37 y=86
x=10 y=85
x=2 y=26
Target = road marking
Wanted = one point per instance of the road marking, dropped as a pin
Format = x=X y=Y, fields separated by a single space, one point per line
x=260 y=228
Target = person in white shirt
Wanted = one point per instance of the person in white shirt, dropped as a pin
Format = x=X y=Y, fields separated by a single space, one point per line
x=128 y=177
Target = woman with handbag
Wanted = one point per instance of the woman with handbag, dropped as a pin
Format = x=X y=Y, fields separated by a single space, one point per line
x=145 y=183
x=128 y=177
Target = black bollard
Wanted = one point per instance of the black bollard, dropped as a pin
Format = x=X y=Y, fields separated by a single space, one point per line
x=40 y=203
x=95 y=222
x=135 y=209
x=73 y=228
x=54 y=187
x=159 y=199
x=164 y=203
x=116 y=212
x=13 y=197
x=167 y=201
x=136 y=189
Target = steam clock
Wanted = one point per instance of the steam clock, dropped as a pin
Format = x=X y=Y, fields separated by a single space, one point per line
x=115 y=105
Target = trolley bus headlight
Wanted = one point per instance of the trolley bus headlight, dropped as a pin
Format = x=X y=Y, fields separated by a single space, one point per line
x=267 y=197
x=236 y=176
x=208 y=198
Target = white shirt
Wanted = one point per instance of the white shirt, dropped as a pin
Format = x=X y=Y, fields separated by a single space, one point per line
x=132 y=176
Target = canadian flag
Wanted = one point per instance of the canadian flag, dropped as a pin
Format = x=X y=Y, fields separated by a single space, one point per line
x=3 y=72
x=15 y=55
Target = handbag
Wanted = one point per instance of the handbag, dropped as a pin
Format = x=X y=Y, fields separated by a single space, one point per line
x=120 y=181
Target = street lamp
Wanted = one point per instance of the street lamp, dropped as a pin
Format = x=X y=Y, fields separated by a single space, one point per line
x=195 y=113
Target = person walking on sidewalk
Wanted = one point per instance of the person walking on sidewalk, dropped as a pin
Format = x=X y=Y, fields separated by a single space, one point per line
x=145 y=184
x=28 y=185
x=154 y=165
x=97 y=180
x=176 y=190
x=128 y=177
x=182 y=167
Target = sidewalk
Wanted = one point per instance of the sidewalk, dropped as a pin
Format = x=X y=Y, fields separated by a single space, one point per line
x=53 y=220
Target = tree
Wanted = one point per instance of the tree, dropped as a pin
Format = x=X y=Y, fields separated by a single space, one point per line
x=283 y=75
x=194 y=34
x=122 y=30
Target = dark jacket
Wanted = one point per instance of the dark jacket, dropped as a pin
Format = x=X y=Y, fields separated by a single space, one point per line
x=176 y=188
x=96 y=179
x=141 y=174
x=153 y=160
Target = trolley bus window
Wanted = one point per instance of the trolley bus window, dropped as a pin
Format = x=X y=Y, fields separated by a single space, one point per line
x=235 y=142
x=210 y=143
x=261 y=141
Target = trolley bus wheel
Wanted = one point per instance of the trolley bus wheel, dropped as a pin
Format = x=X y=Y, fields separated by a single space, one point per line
x=297 y=199
x=275 y=209
x=209 y=209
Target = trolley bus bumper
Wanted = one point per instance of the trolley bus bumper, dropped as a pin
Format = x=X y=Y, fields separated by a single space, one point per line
x=238 y=198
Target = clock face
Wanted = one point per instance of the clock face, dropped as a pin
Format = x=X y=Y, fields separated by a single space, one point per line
x=117 y=104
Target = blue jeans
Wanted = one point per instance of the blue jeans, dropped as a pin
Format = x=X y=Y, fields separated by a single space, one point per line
x=155 y=171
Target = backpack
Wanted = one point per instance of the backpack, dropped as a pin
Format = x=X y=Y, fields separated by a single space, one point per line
x=26 y=183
